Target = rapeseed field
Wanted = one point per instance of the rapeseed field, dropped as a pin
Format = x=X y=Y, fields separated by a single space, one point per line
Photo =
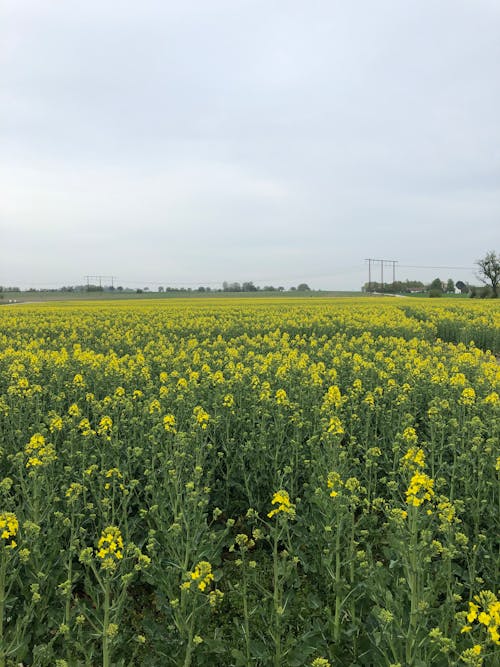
x=250 y=483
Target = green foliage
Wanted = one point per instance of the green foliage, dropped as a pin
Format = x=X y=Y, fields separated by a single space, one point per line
x=489 y=271
x=246 y=483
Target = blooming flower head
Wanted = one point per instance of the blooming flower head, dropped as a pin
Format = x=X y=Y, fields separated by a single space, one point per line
x=86 y=428
x=228 y=401
x=281 y=397
x=320 y=662
x=334 y=483
x=169 y=423
x=410 y=435
x=335 y=426
x=282 y=499
x=492 y=399
x=105 y=426
x=56 y=423
x=154 y=406
x=110 y=547
x=201 y=575
x=39 y=452
x=78 y=380
x=421 y=488
x=485 y=611
x=9 y=526
x=333 y=397
x=467 y=397
x=74 y=410
x=413 y=459
x=202 y=417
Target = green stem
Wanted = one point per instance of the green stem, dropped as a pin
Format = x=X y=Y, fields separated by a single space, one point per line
x=338 y=598
x=277 y=602
x=413 y=585
x=105 y=637
x=245 y=615
x=3 y=567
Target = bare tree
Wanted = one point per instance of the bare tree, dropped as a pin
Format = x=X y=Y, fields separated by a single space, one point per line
x=489 y=271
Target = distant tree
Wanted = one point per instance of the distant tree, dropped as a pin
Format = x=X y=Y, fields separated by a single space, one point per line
x=303 y=287
x=489 y=271
x=160 y=289
x=460 y=285
x=293 y=289
x=249 y=287
x=119 y=288
x=450 y=286
x=201 y=288
x=436 y=288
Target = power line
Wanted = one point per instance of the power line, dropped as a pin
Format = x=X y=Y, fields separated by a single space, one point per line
x=462 y=268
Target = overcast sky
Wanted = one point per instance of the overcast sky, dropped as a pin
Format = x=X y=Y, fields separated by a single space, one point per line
x=280 y=141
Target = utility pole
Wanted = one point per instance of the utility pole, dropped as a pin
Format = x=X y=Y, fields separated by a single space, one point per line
x=369 y=274
x=99 y=279
x=381 y=262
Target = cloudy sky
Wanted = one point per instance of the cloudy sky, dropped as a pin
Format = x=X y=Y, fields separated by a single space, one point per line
x=280 y=141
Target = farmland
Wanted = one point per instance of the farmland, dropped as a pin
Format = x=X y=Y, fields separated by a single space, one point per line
x=245 y=482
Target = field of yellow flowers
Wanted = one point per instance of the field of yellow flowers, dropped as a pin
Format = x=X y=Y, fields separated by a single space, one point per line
x=250 y=483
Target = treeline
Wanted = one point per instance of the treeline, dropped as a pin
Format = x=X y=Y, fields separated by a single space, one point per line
x=250 y=287
x=226 y=287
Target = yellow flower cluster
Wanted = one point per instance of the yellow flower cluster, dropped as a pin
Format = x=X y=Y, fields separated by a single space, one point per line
x=39 y=452
x=281 y=397
x=9 y=527
x=335 y=426
x=169 y=423
x=202 y=417
x=201 y=576
x=334 y=483
x=467 y=397
x=413 y=459
x=105 y=426
x=421 y=488
x=110 y=547
x=485 y=611
x=285 y=506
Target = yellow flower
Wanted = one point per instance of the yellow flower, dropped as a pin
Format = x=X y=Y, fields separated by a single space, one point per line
x=9 y=527
x=228 y=401
x=56 y=423
x=467 y=397
x=201 y=575
x=281 y=397
x=39 y=452
x=334 y=483
x=110 y=547
x=410 y=435
x=169 y=423
x=420 y=489
x=282 y=499
x=320 y=662
x=414 y=458
x=335 y=426
x=78 y=381
x=154 y=406
x=74 y=410
x=202 y=417
x=105 y=426
x=492 y=399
